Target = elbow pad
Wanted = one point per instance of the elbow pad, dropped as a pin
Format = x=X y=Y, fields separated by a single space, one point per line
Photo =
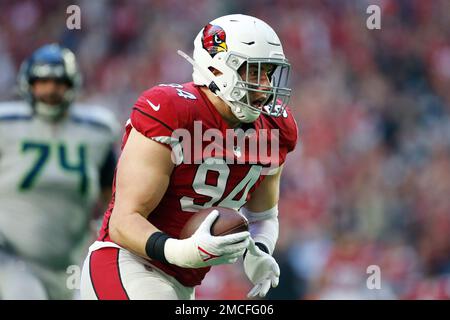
x=264 y=226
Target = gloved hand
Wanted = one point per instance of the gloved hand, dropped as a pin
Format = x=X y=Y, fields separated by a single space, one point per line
x=203 y=249
x=262 y=270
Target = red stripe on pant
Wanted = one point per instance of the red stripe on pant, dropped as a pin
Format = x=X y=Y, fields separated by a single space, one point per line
x=105 y=274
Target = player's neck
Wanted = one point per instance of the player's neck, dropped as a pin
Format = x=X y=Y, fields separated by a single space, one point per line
x=221 y=107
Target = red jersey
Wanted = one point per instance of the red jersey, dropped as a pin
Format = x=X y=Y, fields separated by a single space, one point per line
x=167 y=112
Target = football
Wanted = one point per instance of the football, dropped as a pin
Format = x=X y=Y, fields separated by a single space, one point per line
x=229 y=221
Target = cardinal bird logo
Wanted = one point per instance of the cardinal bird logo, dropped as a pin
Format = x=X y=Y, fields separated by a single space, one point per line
x=214 y=39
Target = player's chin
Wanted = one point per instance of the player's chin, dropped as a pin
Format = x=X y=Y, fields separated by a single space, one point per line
x=258 y=106
x=51 y=101
x=259 y=103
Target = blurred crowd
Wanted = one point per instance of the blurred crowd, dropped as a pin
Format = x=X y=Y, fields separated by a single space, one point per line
x=369 y=182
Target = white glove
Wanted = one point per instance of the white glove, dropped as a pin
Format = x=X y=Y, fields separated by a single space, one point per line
x=262 y=270
x=203 y=249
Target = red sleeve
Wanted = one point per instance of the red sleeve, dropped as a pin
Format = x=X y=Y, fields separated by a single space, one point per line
x=154 y=116
x=290 y=132
x=288 y=135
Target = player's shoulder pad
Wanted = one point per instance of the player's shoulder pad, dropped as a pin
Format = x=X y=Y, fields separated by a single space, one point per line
x=94 y=116
x=288 y=127
x=15 y=110
x=165 y=107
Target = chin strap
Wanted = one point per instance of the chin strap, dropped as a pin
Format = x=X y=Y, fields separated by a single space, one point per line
x=206 y=73
x=246 y=116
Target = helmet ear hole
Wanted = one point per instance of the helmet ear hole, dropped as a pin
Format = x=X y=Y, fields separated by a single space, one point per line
x=215 y=71
x=238 y=94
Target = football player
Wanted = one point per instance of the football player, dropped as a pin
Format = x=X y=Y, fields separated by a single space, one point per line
x=56 y=157
x=239 y=82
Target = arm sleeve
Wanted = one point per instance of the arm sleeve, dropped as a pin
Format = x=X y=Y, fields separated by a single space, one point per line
x=264 y=226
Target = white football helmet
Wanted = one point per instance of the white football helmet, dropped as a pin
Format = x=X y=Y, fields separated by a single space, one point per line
x=230 y=42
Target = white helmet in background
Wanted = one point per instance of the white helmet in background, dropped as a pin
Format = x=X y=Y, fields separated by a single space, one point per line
x=234 y=41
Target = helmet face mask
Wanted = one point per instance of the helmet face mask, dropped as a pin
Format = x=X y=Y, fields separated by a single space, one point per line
x=253 y=71
x=260 y=96
x=50 y=63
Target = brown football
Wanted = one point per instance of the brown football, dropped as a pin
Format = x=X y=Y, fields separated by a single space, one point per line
x=229 y=221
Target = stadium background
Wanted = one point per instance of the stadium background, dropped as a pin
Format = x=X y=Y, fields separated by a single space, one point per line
x=369 y=183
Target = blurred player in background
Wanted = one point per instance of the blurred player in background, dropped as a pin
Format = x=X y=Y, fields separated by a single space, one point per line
x=240 y=75
x=56 y=157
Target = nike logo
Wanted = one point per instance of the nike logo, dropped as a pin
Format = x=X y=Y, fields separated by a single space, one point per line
x=205 y=255
x=156 y=108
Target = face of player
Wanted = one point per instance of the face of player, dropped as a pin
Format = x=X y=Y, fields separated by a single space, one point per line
x=49 y=91
x=257 y=99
